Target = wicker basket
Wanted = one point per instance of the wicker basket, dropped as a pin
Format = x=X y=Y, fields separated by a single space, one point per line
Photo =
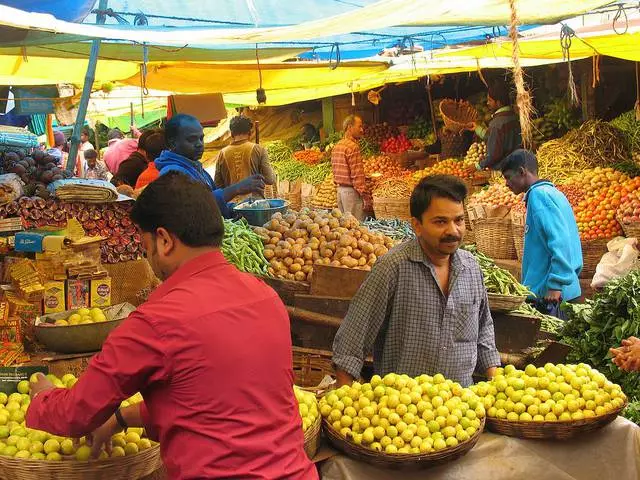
x=518 y=229
x=391 y=208
x=494 y=238
x=312 y=438
x=457 y=114
x=551 y=430
x=453 y=145
x=270 y=191
x=294 y=199
x=311 y=366
x=505 y=303
x=592 y=252
x=132 y=468
x=631 y=230
x=399 y=461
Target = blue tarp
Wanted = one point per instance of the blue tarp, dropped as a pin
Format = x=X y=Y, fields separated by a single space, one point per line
x=69 y=10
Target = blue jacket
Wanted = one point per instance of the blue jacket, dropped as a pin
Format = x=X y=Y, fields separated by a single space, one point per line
x=172 y=162
x=552 y=252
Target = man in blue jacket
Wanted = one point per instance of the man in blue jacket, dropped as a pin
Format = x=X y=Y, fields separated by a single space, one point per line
x=185 y=142
x=552 y=257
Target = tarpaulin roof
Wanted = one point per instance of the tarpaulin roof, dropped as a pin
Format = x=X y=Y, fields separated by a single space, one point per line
x=382 y=14
x=70 y=10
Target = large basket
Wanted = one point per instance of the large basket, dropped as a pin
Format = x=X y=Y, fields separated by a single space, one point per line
x=294 y=199
x=391 y=208
x=132 y=468
x=453 y=145
x=551 y=430
x=312 y=438
x=494 y=238
x=518 y=229
x=399 y=461
x=631 y=230
x=592 y=252
x=457 y=114
x=505 y=303
x=310 y=366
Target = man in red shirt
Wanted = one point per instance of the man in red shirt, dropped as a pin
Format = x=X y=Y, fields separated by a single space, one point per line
x=348 y=170
x=210 y=351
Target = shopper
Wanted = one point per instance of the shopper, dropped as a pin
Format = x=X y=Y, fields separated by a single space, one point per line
x=242 y=158
x=210 y=351
x=627 y=356
x=503 y=134
x=85 y=145
x=94 y=170
x=149 y=175
x=150 y=144
x=423 y=309
x=119 y=148
x=185 y=142
x=552 y=258
x=57 y=150
x=348 y=170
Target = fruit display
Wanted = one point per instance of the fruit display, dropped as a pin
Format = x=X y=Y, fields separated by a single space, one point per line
x=382 y=166
x=307 y=406
x=496 y=196
x=553 y=393
x=398 y=414
x=476 y=153
x=450 y=166
x=242 y=247
x=496 y=279
x=20 y=442
x=629 y=209
x=393 y=188
x=295 y=242
x=327 y=196
x=380 y=132
x=310 y=157
x=81 y=317
x=398 y=144
x=419 y=129
x=109 y=220
x=574 y=193
x=36 y=170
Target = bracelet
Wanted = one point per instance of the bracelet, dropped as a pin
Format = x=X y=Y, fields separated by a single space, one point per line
x=120 y=419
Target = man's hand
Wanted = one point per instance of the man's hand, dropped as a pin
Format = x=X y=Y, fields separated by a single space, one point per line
x=472 y=169
x=491 y=372
x=343 y=378
x=553 y=296
x=42 y=384
x=252 y=184
x=101 y=437
x=471 y=126
x=627 y=356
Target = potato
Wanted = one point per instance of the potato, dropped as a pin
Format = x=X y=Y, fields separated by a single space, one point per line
x=307 y=253
x=380 y=250
x=283 y=244
x=299 y=261
x=283 y=272
x=288 y=261
x=291 y=241
x=355 y=253
x=269 y=253
x=271 y=271
x=290 y=276
x=300 y=276
x=307 y=269
x=362 y=261
x=273 y=241
x=372 y=259
x=367 y=248
x=336 y=263
x=295 y=267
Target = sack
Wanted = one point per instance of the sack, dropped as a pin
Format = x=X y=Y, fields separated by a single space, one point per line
x=621 y=259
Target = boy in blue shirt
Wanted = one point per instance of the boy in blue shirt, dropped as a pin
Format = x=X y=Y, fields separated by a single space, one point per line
x=552 y=258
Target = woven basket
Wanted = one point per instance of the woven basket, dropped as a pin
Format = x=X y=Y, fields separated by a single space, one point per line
x=391 y=208
x=132 y=468
x=311 y=366
x=505 y=303
x=399 y=461
x=592 y=252
x=551 y=430
x=517 y=226
x=312 y=438
x=494 y=238
x=457 y=114
x=270 y=191
x=631 y=230
x=453 y=145
x=294 y=199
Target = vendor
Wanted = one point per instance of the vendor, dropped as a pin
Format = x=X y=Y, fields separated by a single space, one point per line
x=242 y=158
x=185 y=142
x=552 y=259
x=210 y=351
x=503 y=135
x=423 y=309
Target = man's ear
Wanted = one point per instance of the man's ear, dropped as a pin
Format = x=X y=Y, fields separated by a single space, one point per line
x=165 y=241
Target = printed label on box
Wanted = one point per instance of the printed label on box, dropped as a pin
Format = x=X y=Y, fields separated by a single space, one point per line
x=77 y=294
x=101 y=292
x=54 y=297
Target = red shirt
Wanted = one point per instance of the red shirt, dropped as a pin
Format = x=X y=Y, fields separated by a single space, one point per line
x=147 y=176
x=346 y=162
x=210 y=351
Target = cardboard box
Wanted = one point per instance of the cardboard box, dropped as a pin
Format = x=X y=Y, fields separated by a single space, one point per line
x=77 y=293
x=101 y=292
x=54 y=297
x=32 y=241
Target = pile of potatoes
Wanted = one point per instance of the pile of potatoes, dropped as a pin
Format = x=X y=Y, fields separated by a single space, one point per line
x=296 y=241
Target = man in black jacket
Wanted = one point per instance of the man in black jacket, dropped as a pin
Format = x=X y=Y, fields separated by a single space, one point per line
x=150 y=144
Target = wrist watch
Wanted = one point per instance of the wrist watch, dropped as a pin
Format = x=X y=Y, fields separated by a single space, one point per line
x=120 y=419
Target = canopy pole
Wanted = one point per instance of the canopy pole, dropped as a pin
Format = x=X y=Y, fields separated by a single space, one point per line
x=86 y=91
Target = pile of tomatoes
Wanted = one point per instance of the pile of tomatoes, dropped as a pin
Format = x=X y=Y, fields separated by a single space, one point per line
x=382 y=165
x=397 y=144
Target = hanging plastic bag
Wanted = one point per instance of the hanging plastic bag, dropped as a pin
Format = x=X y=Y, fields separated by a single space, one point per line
x=620 y=260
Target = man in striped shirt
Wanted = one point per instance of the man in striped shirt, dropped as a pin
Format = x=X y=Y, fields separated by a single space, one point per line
x=348 y=170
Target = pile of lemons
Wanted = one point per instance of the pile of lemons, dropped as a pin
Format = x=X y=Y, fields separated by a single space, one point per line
x=82 y=316
x=553 y=393
x=307 y=406
x=398 y=414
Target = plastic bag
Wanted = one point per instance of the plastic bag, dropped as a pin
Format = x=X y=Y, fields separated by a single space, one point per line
x=621 y=259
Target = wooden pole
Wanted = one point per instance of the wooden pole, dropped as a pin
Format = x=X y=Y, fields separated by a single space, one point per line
x=86 y=91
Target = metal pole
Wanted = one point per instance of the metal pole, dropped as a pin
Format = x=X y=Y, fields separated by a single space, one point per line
x=86 y=91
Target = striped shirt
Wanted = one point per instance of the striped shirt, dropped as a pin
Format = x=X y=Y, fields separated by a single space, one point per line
x=347 y=165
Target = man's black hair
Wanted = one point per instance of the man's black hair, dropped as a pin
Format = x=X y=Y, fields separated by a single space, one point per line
x=114 y=134
x=499 y=91
x=90 y=153
x=240 y=125
x=86 y=131
x=520 y=159
x=183 y=207
x=436 y=186
x=173 y=126
x=152 y=142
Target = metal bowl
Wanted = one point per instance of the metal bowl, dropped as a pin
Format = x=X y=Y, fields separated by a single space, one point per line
x=259 y=216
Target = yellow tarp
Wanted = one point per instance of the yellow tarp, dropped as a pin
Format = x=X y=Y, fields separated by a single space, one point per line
x=626 y=46
x=382 y=14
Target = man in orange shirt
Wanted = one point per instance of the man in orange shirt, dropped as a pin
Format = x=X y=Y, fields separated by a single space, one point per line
x=348 y=170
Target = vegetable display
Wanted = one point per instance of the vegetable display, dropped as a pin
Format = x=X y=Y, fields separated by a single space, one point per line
x=497 y=280
x=630 y=128
x=629 y=209
x=392 y=228
x=243 y=248
x=327 y=196
x=278 y=151
x=393 y=188
x=451 y=166
x=548 y=323
x=397 y=144
x=310 y=157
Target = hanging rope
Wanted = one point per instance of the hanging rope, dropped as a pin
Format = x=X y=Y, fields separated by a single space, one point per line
x=261 y=95
x=620 y=14
x=595 y=74
x=566 y=36
x=480 y=73
x=523 y=97
x=335 y=48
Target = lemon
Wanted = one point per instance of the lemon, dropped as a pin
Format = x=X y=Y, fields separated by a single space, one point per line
x=51 y=446
x=54 y=457
x=83 y=453
x=23 y=387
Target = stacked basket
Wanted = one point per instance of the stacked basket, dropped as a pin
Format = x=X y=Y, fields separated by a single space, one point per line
x=592 y=252
x=391 y=208
x=493 y=232
x=518 y=228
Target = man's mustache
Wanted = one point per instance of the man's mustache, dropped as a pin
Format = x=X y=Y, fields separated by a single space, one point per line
x=450 y=239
